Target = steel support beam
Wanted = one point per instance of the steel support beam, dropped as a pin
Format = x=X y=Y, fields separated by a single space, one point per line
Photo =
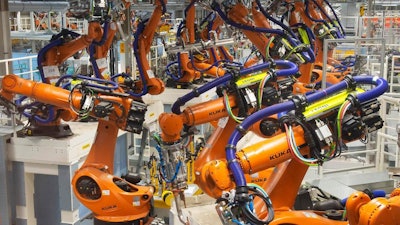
x=5 y=39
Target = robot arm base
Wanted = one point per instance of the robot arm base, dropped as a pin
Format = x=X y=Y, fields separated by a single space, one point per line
x=109 y=197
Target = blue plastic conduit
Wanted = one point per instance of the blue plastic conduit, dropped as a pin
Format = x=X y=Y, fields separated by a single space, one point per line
x=222 y=50
x=275 y=20
x=92 y=59
x=113 y=84
x=337 y=18
x=41 y=54
x=55 y=41
x=381 y=86
x=310 y=34
x=307 y=11
x=139 y=30
x=309 y=58
x=290 y=68
x=50 y=116
x=340 y=35
x=175 y=78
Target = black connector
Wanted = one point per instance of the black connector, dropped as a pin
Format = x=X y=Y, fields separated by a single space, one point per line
x=103 y=109
x=370 y=107
x=300 y=102
x=136 y=116
x=285 y=86
x=241 y=130
x=269 y=127
x=352 y=127
x=242 y=194
x=373 y=122
x=270 y=96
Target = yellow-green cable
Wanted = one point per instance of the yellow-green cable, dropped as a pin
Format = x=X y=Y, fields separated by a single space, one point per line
x=229 y=109
x=309 y=162
x=267 y=56
x=261 y=88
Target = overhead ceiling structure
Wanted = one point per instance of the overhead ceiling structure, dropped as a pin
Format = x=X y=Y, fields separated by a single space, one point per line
x=386 y=2
x=37 y=6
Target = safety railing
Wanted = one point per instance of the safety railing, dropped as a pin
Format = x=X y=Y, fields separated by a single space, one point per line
x=41 y=23
x=25 y=67
x=20 y=24
x=368 y=50
x=387 y=136
x=394 y=72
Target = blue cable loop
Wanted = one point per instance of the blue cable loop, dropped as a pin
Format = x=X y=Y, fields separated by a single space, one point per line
x=223 y=51
x=42 y=52
x=92 y=59
x=309 y=57
x=340 y=35
x=139 y=30
x=169 y=73
x=289 y=69
x=381 y=87
x=50 y=116
x=310 y=34
x=92 y=50
x=56 y=40
x=113 y=86
x=307 y=11
x=275 y=20
x=178 y=166
x=179 y=30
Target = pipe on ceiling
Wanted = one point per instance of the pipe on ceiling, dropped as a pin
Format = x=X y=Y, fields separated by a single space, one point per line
x=37 y=6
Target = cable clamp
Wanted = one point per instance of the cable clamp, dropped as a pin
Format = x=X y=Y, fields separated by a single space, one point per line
x=233 y=161
x=300 y=102
x=196 y=92
x=352 y=98
x=241 y=130
x=230 y=147
x=351 y=83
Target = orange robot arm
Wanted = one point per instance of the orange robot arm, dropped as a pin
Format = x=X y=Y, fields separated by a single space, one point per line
x=189 y=70
x=59 y=53
x=108 y=196
x=238 y=13
x=102 y=49
x=190 y=22
x=99 y=48
x=321 y=31
x=361 y=210
x=148 y=83
x=257 y=30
